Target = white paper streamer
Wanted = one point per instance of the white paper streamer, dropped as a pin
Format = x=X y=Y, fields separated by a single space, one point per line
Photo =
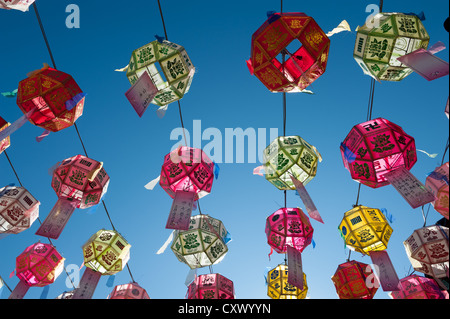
x=168 y=241
x=162 y=111
x=428 y=154
x=124 y=69
x=190 y=276
x=152 y=183
x=343 y=26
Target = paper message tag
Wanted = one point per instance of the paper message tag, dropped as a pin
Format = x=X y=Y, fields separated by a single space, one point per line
x=307 y=201
x=412 y=190
x=20 y=291
x=57 y=219
x=88 y=283
x=181 y=211
x=295 y=267
x=141 y=93
x=426 y=64
x=385 y=271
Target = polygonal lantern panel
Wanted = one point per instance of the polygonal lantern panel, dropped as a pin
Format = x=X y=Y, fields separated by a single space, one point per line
x=211 y=286
x=6 y=142
x=279 y=288
x=383 y=39
x=129 y=291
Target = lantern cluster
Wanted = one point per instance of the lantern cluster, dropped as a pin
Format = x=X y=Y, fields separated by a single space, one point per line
x=52 y=98
x=18 y=210
x=203 y=244
x=177 y=70
x=375 y=147
x=418 y=287
x=211 y=286
x=290 y=156
x=365 y=229
x=385 y=38
x=6 y=142
x=306 y=62
x=354 y=280
x=278 y=286
x=428 y=250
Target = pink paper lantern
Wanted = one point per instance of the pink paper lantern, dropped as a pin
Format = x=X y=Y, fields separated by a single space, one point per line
x=80 y=179
x=6 y=142
x=417 y=287
x=38 y=266
x=376 y=147
x=18 y=210
x=211 y=286
x=352 y=281
x=129 y=291
x=288 y=227
x=437 y=182
x=187 y=169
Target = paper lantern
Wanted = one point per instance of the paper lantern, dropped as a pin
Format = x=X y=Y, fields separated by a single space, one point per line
x=79 y=182
x=417 y=287
x=290 y=155
x=279 y=288
x=365 y=229
x=354 y=280
x=288 y=227
x=129 y=291
x=211 y=286
x=383 y=39
x=189 y=170
x=38 y=266
x=6 y=142
x=52 y=98
x=427 y=250
x=376 y=147
x=18 y=210
x=437 y=182
x=307 y=61
x=203 y=244
x=177 y=70
x=21 y=5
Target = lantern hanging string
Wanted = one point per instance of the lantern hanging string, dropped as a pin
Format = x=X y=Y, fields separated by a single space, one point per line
x=76 y=128
x=39 y=220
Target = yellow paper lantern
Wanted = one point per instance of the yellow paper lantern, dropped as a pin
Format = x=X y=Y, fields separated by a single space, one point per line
x=365 y=229
x=279 y=288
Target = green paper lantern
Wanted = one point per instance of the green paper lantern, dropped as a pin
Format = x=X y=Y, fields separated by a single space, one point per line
x=383 y=39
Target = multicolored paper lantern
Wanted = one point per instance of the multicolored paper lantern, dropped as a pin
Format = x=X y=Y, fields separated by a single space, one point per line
x=437 y=182
x=290 y=155
x=418 y=287
x=189 y=170
x=203 y=244
x=129 y=291
x=355 y=280
x=53 y=98
x=6 y=142
x=211 y=286
x=79 y=182
x=383 y=39
x=428 y=250
x=177 y=70
x=306 y=62
x=279 y=288
x=21 y=5
x=288 y=227
x=376 y=147
x=18 y=209
x=365 y=229
x=38 y=266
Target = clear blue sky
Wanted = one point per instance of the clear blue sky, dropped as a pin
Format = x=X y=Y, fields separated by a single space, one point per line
x=217 y=36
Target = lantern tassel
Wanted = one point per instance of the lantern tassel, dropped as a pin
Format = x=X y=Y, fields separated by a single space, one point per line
x=428 y=154
x=168 y=241
x=152 y=183
x=343 y=26
x=10 y=94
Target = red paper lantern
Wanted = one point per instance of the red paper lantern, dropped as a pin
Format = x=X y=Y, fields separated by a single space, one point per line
x=187 y=169
x=129 y=291
x=288 y=227
x=376 y=147
x=302 y=66
x=38 y=266
x=417 y=287
x=6 y=142
x=211 y=286
x=352 y=281
x=53 y=97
